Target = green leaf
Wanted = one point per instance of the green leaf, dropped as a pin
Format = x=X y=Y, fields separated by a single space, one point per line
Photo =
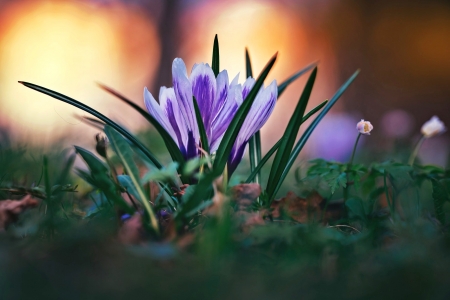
x=100 y=179
x=304 y=138
x=224 y=150
x=201 y=127
x=196 y=195
x=274 y=148
x=95 y=113
x=355 y=205
x=94 y=164
x=127 y=183
x=282 y=87
x=174 y=151
x=194 y=164
x=254 y=143
x=167 y=175
x=440 y=195
x=215 y=57
x=290 y=135
x=263 y=161
x=123 y=151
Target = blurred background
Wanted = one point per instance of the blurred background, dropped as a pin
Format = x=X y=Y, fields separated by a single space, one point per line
x=400 y=46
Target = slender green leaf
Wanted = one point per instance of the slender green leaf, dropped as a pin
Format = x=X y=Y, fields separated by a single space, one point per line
x=282 y=87
x=254 y=143
x=274 y=148
x=123 y=151
x=263 y=161
x=201 y=127
x=95 y=113
x=224 y=150
x=174 y=151
x=290 y=134
x=304 y=138
x=215 y=57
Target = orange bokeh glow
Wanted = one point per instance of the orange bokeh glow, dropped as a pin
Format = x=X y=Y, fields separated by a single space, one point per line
x=68 y=46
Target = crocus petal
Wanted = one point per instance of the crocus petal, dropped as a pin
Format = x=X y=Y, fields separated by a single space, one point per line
x=169 y=105
x=223 y=119
x=235 y=80
x=237 y=152
x=248 y=84
x=156 y=112
x=204 y=88
x=221 y=93
x=259 y=112
x=183 y=92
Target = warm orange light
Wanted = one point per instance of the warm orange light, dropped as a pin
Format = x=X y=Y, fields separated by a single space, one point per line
x=67 y=46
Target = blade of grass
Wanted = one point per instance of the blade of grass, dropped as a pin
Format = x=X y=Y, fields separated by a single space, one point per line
x=282 y=86
x=224 y=150
x=215 y=57
x=274 y=148
x=290 y=134
x=95 y=113
x=304 y=138
x=174 y=151
x=201 y=127
x=123 y=151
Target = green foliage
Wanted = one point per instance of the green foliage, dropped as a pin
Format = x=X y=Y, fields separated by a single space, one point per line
x=289 y=136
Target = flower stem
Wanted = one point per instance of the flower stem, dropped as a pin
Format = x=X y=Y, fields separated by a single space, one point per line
x=416 y=151
x=349 y=166
x=353 y=153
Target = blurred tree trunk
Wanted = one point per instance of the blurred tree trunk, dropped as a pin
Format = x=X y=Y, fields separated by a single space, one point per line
x=169 y=38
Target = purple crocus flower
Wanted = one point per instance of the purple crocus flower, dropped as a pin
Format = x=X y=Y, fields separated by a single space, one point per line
x=218 y=101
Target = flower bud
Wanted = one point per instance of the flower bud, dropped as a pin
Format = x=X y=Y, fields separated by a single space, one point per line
x=364 y=127
x=102 y=144
x=433 y=127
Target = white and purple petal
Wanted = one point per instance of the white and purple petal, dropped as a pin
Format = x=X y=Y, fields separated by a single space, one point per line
x=169 y=105
x=225 y=116
x=183 y=92
x=221 y=93
x=157 y=112
x=247 y=86
x=204 y=88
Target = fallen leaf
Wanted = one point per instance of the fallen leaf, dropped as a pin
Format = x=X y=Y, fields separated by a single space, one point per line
x=11 y=209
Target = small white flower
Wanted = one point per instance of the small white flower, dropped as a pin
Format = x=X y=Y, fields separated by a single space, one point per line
x=433 y=127
x=364 y=127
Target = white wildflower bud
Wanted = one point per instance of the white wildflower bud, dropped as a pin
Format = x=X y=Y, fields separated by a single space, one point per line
x=433 y=127
x=364 y=127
